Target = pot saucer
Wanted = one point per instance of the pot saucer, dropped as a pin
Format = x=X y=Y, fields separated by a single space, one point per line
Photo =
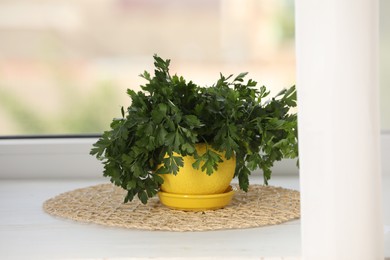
x=189 y=202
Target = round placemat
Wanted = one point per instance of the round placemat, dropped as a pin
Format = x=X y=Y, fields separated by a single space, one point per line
x=103 y=204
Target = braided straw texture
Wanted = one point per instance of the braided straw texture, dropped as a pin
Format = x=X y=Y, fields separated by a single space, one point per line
x=103 y=204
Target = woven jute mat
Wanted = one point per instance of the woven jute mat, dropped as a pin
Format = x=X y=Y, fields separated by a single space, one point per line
x=103 y=204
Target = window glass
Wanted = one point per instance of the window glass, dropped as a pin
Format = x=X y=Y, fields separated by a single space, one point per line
x=385 y=63
x=65 y=65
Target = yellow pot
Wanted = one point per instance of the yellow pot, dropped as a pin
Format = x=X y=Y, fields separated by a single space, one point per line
x=195 y=182
x=196 y=202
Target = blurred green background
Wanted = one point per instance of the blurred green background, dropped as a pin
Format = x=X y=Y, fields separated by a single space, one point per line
x=65 y=65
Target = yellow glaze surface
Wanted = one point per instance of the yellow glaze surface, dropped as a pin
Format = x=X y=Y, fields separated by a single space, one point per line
x=196 y=202
x=195 y=182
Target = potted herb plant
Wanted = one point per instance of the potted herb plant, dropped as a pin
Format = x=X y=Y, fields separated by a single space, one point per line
x=173 y=125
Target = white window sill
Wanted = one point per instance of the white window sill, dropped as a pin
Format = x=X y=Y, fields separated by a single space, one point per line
x=29 y=233
x=34 y=170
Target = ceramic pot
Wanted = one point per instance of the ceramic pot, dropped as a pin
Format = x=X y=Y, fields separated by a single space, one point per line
x=195 y=182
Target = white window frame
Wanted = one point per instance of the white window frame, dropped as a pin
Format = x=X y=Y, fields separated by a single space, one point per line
x=68 y=157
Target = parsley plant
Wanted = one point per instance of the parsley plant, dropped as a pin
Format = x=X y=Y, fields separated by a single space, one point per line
x=171 y=115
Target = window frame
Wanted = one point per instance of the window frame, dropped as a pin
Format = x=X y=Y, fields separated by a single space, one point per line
x=67 y=157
